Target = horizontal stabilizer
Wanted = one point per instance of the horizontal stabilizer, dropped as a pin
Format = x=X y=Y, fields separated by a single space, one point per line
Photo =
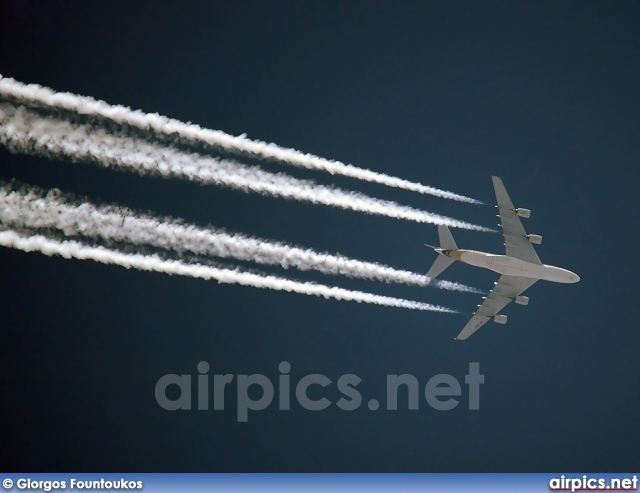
x=446 y=238
x=439 y=266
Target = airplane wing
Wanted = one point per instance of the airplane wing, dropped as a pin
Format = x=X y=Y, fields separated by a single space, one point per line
x=515 y=241
x=504 y=292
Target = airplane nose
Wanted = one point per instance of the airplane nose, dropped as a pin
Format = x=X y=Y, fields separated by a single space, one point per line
x=575 y=277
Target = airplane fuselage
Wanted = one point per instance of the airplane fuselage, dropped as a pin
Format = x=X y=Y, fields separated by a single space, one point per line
x=503 y=264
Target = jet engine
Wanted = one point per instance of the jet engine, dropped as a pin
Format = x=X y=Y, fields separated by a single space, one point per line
x=522 y=300
x=500 y=319
x=526 y=213
x=537 y=239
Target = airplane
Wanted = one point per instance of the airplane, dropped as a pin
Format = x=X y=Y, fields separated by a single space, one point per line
x=521 y=267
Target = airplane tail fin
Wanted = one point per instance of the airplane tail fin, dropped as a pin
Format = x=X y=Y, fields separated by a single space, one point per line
x=446 y=243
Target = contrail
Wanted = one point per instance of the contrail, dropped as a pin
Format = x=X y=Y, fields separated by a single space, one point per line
x=74 y=249
x=25 y=131
x=31 y=208
x=153 y=122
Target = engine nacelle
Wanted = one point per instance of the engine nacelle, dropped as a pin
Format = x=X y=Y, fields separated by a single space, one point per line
x=537 y=239
x=526 y=213
x=500 y=319
x=522 y=300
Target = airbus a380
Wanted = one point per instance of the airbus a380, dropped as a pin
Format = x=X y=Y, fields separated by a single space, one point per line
x=520 y=267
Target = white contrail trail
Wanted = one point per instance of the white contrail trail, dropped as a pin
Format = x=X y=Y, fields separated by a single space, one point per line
x=34 y=93
x=31 y=208
x=74 y=249
x=22 y=130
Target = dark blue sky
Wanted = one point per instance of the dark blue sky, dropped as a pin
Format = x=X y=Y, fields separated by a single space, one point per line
x=542 y=94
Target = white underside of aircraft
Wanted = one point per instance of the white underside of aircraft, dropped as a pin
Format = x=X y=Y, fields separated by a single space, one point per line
x=520 y=267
